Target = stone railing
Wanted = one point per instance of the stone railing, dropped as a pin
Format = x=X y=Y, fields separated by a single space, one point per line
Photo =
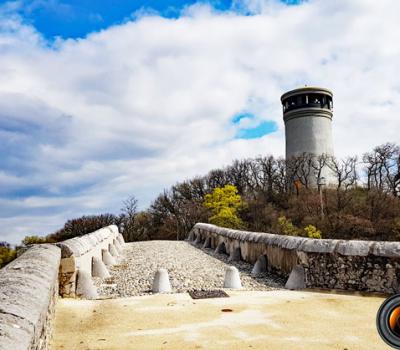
x=30 y=284
x=28 y=292
x=310 y=263
x=85 y=257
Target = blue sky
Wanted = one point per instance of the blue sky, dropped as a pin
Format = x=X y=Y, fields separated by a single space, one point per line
x=77 y=18
x=100 y=100
x=72 y=19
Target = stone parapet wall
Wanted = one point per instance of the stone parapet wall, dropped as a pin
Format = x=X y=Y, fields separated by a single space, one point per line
x=77 y=255
x=313 y=263
x=28 y=293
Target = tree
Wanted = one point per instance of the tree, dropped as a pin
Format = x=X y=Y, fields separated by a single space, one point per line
x=128 y=214
x=28 y=240
x=346 y=178
x=382 y=167
x=7 y=254
x=224 y=204
x=83 y=225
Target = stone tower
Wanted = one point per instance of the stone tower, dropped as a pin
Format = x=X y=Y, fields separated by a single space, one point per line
x=307 y=113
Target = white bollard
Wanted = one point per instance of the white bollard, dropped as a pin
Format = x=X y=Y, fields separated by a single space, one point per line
x=99 y=269
x=85 y=287
x=161 y=282
x=112 y=250
x=260 y=266
x=108 y=260
x=232 y=278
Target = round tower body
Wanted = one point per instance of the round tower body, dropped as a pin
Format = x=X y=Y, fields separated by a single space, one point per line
x=307 y=113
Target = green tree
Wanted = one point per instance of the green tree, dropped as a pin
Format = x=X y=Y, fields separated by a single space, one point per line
x=224 y=204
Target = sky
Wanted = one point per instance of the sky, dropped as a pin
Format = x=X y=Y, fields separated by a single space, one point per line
x=101 y=100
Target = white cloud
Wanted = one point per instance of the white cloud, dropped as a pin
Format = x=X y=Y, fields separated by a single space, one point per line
x=139 y=106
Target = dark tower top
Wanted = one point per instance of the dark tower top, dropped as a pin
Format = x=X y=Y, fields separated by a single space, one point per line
x=303 y=101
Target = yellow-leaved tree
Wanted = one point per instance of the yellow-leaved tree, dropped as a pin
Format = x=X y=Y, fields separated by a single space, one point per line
x=224 y=204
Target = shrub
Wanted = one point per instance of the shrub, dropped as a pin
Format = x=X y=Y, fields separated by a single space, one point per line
x=7 y=254
x=285 y=227
x=37 y=240
x=352 y=227
x=312 y=232
x=395 y=228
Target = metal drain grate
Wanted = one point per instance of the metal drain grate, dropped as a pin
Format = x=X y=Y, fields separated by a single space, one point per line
x=206 y=294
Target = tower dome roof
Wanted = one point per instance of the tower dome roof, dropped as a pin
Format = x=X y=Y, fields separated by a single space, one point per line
x=306 y=89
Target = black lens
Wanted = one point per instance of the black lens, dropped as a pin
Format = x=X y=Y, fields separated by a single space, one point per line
x=388 y=321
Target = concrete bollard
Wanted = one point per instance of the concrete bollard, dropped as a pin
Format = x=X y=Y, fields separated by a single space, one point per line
x=207 y=243
x=198 y=239
x=235 y=255
x=221 y=249
x=85 y=287
x=191 y=236
x=260 y=266
x=121 y=240
x=99 y=269
x=296 y=278
x=108 y=260
x=112 y=250
x=232 y=278
x=161 y=282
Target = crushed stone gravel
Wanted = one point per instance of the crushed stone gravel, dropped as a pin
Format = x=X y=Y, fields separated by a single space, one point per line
x=189 y=267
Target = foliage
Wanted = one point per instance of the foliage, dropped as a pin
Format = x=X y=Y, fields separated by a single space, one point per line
x=224 y=204
x=268 y=194
x=395 y=228
x=226 y=218
x=37 y=240
x=7 y=254
x=223 y=198
x=83 y=225
x=312 y=232
x=286 y=227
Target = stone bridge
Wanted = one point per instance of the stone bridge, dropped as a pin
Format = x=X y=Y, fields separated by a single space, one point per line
x=31 y=287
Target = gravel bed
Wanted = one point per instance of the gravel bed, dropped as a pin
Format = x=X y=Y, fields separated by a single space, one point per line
x=189 y=267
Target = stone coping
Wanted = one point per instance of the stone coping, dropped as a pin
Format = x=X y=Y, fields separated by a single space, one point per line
x=78 y=246
x=308 y=245
x=27 y=287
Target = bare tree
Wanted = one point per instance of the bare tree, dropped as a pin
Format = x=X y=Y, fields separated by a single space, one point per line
x=382 y=167
x=346 y=176
x=128 y=213
x=344 y=171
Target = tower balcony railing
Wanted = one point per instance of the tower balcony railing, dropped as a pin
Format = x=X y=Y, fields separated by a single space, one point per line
x=294 y=106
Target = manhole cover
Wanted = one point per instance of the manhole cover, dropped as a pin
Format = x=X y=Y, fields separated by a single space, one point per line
x=205 y=294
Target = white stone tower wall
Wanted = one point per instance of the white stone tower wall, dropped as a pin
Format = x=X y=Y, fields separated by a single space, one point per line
x=308 y=114
x=312 y=134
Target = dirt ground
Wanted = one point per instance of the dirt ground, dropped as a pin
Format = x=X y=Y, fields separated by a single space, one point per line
x=253 y=320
